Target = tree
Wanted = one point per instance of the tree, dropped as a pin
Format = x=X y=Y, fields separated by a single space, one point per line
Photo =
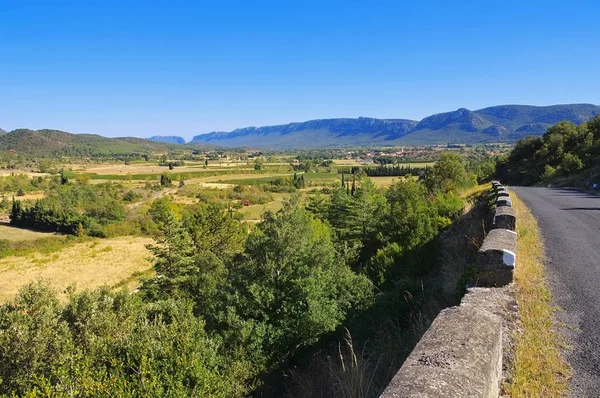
x=192 y=255
x=448 y=174
x=16 y=214
x=165 y=180
x=571 y=164
x=292 y=284
x=64 y=178
x=318 y=205
x=411 y=218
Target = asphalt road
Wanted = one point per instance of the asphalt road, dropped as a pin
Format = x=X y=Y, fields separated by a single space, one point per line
x=570 y=224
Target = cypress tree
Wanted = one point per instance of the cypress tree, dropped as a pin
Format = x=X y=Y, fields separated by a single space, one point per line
x=16 y=214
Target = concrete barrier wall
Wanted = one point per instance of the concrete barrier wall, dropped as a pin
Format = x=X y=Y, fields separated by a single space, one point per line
x=460 y=355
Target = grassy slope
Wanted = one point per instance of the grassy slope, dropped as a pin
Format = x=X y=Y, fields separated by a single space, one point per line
x=539 y=369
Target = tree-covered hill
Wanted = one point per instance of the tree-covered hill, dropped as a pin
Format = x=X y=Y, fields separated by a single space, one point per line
x=60 y=143
x=564 y=152
x=2 y=132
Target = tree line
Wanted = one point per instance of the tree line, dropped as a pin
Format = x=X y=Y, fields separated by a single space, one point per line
x=395 y=170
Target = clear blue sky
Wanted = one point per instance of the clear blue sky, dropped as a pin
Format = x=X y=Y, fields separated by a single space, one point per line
x=183 y=68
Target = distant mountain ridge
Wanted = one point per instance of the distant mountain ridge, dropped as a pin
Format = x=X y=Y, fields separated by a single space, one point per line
x=503 y=123
x=168 y=139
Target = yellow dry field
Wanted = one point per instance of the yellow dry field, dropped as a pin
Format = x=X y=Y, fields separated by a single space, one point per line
x=123 y=169
x=384 y=182
x=230 y=177
x=29 y=196
x=216 y=185
x=14 y=234
x=153 y=168
x=6 y=173
x=347 y=162
x=221 y=181
x=119 y=261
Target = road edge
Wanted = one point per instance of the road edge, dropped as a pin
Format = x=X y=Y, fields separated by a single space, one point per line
x=539 y=367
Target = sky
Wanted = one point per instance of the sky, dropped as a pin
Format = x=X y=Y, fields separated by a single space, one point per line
x=121 y=68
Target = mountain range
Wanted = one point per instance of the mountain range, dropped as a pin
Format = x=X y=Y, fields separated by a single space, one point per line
x=504 y=123
x=168 y=139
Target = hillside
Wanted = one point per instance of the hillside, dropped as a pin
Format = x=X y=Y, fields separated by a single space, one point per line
x=504 y=123
x=325 y=132
x=168 y=139
x=60 y=143
x=2 y=132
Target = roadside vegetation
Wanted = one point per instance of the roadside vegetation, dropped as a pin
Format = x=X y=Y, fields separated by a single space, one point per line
x=540 y=370
x=566 y=154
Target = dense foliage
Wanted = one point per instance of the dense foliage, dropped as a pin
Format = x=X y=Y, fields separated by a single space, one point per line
x=226 y=304
x=396 y=170
x=565 y=150
x=69 y=207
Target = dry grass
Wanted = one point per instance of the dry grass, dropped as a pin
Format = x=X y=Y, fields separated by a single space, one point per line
x=28 y=196
x=153 y=168
x=88 y=265
x=539 y=368
x=136 y=168
x=255 y=212
x=14 y=234
x=229 y=177
x=474 y=191
x=6 y=173
x=384 y=182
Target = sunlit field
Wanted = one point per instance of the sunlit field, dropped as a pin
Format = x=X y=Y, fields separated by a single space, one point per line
x=117 y=262
x=13 y=234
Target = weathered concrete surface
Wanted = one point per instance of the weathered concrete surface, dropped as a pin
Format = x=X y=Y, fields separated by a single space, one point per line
x=505 y=218
x=503 y=201
x=497 y=258
x=460 y=355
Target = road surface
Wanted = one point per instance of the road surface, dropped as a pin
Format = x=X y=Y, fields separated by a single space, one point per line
x=569 y=221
